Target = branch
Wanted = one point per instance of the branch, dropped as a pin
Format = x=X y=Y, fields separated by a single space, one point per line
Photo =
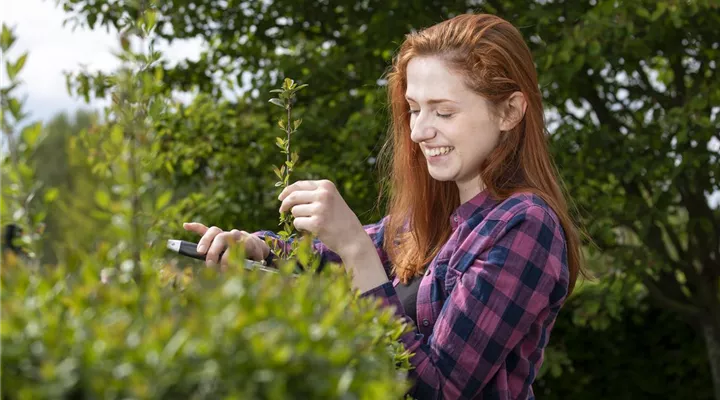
x=699 y=209
x=687 y=310
x=679 y=72
x=674 y=239
x=664 y=100
x=601 y=110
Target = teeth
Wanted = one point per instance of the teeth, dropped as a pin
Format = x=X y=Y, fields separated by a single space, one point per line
x=438 y=151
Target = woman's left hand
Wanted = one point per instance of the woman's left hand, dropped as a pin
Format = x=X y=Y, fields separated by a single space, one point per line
x=319 y=208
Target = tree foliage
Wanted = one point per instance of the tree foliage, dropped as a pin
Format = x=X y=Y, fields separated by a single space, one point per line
x=631 y=90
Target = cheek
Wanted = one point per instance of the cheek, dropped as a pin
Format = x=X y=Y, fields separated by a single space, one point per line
x=478 y=139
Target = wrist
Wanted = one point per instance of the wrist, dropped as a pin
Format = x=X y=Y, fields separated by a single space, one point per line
x=362 y=261
x=357 y=248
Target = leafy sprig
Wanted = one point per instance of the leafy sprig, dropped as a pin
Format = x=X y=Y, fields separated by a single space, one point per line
x=286 y=99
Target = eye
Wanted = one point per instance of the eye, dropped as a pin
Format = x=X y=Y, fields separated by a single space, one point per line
x=412 y=112
x=443 y=115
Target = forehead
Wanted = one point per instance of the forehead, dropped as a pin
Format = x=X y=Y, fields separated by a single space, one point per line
x=430 y=78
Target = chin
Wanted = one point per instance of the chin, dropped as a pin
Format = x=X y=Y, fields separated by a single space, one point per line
x=442 y=177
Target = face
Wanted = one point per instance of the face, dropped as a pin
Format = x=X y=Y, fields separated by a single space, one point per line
x=454 y=127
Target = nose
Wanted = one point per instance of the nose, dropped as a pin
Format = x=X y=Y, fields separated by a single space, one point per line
x=420 y=129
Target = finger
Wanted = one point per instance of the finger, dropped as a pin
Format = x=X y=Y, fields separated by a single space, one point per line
x=196 y=227
x=253 y=251
x=207 y=239
x=299 y=185
x=218 y=246
x=308 y=224
x=234 y=236
x=297 y=197
x=304 y=210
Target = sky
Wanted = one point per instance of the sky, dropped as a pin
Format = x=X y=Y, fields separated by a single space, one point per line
x=53 y=49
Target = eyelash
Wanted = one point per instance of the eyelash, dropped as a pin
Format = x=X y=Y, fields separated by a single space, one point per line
x=436 y=113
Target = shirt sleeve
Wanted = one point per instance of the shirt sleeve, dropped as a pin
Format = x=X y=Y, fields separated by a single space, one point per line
x=508 y=287
x=376 y=231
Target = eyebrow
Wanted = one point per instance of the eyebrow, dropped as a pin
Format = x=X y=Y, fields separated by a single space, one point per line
x=432 y=101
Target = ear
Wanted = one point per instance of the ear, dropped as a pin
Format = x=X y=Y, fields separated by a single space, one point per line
x=514 y=112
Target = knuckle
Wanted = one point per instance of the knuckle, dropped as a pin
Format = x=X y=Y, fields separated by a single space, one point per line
x=323 y=195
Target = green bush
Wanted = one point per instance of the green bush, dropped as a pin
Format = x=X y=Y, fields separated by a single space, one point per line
x=194 y=334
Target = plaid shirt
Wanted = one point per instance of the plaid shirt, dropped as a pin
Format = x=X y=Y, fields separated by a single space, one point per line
x=487 y=302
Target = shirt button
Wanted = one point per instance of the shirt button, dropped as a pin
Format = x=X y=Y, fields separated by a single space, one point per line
x=426 y=322
x=455 y=218
x=427 y=272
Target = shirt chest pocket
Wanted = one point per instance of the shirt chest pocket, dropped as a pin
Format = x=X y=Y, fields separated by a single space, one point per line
x=452 y=277
x=446 y=278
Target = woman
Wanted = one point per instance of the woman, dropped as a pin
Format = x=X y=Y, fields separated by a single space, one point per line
x=478 y=248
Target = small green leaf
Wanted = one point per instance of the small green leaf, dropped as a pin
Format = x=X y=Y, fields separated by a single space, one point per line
x=278 y=184
x=643 y=12
x=15 y=106
x=301 y=87
x=163 y=200
x=276 y=91
x=294 y=157
x=150 y=19
x=102 y=198
x=277 y=172
x=20 y=63
x=116 y=135
x=51 y=195
x=659 y=11
x=297 y=123
x=277 y=102
x=31 y=134
x=281 y=124
x=6 y=39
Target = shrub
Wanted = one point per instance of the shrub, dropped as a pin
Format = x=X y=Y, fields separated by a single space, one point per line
x=195 y=334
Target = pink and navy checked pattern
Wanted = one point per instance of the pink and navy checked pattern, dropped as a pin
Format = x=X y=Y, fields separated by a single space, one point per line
x=487 y=302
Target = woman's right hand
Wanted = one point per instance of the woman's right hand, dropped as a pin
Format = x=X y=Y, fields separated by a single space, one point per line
x=214 y=241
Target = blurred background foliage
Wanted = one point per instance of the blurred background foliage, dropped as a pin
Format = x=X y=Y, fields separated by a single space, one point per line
x=632 y=96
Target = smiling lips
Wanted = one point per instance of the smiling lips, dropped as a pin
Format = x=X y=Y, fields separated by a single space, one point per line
x=438 y=151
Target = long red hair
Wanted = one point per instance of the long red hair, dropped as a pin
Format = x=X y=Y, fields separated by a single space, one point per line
x=496 y=62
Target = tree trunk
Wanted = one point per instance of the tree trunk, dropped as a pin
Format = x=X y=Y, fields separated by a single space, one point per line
x=712 y=342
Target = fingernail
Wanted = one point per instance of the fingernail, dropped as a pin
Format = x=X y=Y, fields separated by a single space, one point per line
x=201 y=248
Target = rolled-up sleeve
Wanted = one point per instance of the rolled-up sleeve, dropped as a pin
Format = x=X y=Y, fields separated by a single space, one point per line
x=375 y=230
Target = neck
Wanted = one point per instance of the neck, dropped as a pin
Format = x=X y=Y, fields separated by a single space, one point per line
x=468 y=190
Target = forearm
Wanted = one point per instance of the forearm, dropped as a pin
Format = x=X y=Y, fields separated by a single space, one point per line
x=363 y=263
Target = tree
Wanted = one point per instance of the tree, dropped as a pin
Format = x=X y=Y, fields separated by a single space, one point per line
x=632 y=85
x=71 y=180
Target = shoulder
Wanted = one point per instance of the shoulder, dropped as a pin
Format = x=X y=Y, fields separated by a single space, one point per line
x=522 y=206
x=523 y=211
x=525 y=230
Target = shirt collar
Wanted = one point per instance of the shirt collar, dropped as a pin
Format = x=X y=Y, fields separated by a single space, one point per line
x=481 y=201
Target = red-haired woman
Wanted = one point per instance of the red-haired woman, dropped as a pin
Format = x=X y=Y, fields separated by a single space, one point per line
x=478 y=248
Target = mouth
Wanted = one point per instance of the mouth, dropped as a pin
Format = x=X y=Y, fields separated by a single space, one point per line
x=438 y=151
